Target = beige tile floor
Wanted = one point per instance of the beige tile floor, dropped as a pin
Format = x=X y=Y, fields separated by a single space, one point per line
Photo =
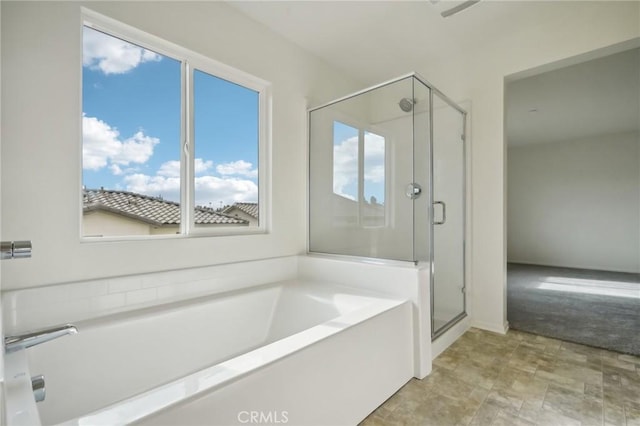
x=486 y=378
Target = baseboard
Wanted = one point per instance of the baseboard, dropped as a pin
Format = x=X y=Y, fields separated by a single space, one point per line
x=496 y=328
x=556 y=265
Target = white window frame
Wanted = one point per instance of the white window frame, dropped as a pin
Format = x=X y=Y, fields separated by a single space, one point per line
x=191 y=61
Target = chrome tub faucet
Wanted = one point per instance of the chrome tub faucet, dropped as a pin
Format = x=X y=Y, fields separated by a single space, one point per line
x=32 y=338
x=24 y=341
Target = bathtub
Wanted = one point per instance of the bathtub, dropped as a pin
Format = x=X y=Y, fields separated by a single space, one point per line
x=294 y=352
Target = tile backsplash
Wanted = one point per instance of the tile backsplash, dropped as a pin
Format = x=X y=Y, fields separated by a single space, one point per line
x=39 y=307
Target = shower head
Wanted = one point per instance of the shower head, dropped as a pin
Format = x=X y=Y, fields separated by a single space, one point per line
x=406 y=104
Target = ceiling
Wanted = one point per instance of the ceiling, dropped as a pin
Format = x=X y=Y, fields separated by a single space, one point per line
x=593 y=98
x=374 y=41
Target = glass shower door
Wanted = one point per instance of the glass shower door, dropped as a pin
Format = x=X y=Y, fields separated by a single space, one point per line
x=448 y=215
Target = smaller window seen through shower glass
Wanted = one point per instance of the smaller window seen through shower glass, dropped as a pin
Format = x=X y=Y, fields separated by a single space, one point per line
x=373 y=180
x=374 y=149
x=345 y=161
x=359 y=171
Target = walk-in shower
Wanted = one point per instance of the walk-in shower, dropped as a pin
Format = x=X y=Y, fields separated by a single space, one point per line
x=387 y=181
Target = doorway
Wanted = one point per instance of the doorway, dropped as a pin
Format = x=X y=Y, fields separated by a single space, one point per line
x=573 y=201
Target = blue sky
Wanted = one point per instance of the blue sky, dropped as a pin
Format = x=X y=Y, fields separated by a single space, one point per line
x=131 y=126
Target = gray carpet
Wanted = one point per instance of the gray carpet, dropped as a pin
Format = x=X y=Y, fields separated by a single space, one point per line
x=596 y=308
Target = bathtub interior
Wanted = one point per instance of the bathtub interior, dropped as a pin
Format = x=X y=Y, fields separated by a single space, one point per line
x=116 y=357
x=311 y=304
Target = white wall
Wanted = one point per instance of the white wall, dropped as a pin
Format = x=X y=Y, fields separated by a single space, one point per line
x=41 y=74
x=562 y=30
x=576 y=203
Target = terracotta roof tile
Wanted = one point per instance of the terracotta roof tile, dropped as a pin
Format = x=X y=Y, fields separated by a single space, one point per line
x=152 y=210
x=249 y=208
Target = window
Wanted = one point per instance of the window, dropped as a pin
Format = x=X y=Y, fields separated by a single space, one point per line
x=172 y=142
x=359 y=173
x=226 y=128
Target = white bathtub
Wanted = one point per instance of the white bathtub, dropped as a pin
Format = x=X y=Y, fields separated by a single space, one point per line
x=295 y=352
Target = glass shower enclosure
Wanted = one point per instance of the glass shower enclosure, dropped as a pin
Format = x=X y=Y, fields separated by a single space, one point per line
x=387 y=181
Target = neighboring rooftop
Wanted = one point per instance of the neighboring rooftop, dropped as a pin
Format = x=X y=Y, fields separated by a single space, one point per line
x=152 y=210
x=249 y=208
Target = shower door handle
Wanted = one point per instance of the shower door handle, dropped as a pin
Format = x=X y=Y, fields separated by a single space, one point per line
x=444 y=213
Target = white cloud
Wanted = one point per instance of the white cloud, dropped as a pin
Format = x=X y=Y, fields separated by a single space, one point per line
x=345 y=166
x=136 y=149
x=101 y=145
x=373 y=158
x=209 y=190
x=202 y=166
x=112 y=55
x=239 y=168
x=167 y=187
x=115 y=170
x=172 y=168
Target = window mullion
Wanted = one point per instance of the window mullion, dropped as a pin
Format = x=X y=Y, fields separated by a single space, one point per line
x=187 y=149
x=360 y=189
